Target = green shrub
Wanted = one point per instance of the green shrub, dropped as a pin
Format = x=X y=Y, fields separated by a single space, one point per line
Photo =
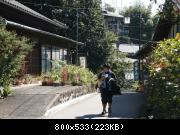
x=12 y=53
x=164 y=82
x=6 y=91
x=75 y=74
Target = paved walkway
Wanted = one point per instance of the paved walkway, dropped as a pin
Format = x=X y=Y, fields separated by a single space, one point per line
x=129 y=105
x=29 y=102
x=34 y=101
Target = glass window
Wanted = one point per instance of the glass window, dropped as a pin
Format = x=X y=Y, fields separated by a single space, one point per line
x=48 y=65
x=43 y=66
x=53 y=53
x=61 y=54
x=49 y=54
x=65 y=55
x=57 y=54
x=65 y=51
x=43 y=52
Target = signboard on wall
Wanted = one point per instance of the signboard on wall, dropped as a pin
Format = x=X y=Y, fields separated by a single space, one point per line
x=83 y=61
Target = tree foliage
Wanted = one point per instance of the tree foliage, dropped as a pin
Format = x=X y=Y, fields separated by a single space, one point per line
x=164 y=82
x=12 y=53
x=169 y=11
x=109 y=8
x=140 y=14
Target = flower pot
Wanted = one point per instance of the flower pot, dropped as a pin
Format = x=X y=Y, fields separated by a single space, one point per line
x=50 y=83
x=62 y=83
x=18 y=82
x=44 y=83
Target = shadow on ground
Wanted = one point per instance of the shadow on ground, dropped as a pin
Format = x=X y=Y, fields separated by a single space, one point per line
x=90 y=116
x=129 y=105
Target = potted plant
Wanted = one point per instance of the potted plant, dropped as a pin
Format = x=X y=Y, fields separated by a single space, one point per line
x=56 y=80
x=64 y=76
x=27 y=79
x=18 y=81
x=50 y=82
x=45 y=81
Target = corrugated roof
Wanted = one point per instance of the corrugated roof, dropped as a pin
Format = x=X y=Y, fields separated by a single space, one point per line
x=27 y=10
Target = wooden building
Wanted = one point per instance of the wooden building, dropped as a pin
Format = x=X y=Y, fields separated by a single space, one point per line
x=49 y=45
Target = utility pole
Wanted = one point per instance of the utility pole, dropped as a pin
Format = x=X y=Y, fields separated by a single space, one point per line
x=77 y=32
x=139 y=59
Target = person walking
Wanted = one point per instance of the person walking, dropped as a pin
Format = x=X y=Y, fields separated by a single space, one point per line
x=106 y=95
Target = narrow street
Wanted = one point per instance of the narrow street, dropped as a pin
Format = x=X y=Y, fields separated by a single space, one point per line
x=126 y=106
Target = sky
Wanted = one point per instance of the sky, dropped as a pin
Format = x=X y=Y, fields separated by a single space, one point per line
x=120 y=4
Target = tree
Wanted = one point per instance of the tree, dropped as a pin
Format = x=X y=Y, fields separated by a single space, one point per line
x=109 y=8
x=170 y=10
x=140 y=13
x=12 y=53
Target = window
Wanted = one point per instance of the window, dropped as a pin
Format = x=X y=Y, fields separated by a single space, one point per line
x=43 y=60
x=46 y=58
x=61 y=54
x=57 y=54
x=65 y=55
x=51 y=53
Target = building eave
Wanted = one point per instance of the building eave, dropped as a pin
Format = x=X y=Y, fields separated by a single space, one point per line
x=113 y=15
x=28 y=29
x=22 y=8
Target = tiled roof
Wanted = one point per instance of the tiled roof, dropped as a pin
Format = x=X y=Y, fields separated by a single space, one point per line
x=27 y=10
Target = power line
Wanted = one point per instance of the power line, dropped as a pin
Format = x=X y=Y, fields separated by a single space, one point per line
x=52 y=6
x=40 y=4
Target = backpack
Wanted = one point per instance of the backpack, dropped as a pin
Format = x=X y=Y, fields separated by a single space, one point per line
x=114 y=88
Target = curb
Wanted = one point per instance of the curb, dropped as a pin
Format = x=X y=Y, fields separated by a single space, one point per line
x=25 y=86
x=66 y=104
